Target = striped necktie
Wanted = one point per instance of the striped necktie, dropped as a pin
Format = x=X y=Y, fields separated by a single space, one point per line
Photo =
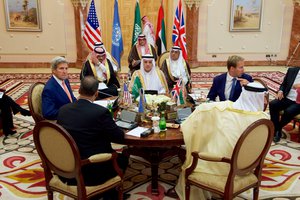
x=67 y=91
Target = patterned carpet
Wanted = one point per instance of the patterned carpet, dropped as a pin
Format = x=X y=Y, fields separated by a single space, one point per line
x=21 y=175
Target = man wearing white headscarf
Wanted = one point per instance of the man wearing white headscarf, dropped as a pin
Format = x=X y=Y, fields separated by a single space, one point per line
x=151 y=77
x=137 y=51
x=175 y=67
x=148 y=30
x=102 y=69
x=108 y=56
x=215 y=128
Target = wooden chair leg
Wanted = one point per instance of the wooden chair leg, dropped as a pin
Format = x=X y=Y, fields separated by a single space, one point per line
x=187 y=191
x=255 y=193
x=50 y=195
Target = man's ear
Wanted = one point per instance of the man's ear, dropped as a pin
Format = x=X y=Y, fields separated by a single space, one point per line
x=96 y=95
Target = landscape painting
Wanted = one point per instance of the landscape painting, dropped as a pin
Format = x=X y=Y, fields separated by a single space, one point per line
x=23 y=15
x=246 y=15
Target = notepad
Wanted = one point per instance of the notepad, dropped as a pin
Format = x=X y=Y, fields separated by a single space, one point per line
x=136 y=132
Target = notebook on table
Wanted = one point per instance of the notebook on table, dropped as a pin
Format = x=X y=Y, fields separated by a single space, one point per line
x=127 y=120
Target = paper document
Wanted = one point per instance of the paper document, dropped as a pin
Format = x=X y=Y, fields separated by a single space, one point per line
x=104 y=103
x=102 y=86
x=137 y=131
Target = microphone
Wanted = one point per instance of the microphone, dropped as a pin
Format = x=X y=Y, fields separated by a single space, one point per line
x=106 y=94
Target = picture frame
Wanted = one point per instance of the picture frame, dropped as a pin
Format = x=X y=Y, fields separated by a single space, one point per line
x=23 y=15
x=246 y=15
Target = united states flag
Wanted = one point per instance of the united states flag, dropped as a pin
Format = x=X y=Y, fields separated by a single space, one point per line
x=92 y=31
x=126 y=95
x=178 y=34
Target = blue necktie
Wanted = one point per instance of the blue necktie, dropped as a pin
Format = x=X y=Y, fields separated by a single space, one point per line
x=232 y=89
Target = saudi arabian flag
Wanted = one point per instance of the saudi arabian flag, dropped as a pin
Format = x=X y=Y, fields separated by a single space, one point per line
x=137 y=26
x=160 y=32
x=137 y=85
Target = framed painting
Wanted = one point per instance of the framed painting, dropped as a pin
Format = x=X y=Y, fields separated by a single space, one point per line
x=246 y=15
x=23 y=15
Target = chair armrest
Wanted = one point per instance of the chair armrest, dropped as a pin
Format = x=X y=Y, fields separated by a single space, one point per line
x=210 y=157
x=203 y=156
x=101 y=157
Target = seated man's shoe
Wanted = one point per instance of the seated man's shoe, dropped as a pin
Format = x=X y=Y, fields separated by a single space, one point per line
x=25 y=112
x=126 y=196
x=276 y=139
x=172 y=193
x=283 y=135
x=9 y=132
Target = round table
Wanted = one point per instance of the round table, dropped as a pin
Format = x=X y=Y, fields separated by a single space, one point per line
x=154 y=148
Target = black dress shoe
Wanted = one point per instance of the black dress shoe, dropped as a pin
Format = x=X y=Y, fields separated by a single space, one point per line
x=25 y=112
x=9 y=132
x=172 y=193
x=276 y=139
x=283 y=135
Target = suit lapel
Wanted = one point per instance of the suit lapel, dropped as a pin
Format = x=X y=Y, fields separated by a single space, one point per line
x=60 y=90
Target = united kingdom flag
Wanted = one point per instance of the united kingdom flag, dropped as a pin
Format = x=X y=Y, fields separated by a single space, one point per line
x=176 y=89
x=178 y=34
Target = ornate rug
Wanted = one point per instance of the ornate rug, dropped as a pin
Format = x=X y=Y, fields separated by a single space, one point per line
x=21 y=175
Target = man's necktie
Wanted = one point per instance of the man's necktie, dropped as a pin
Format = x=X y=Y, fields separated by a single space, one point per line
x=232 y=89
x=67 y=91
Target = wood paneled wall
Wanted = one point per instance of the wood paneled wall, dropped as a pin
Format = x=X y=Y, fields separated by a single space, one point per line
x=126 y=12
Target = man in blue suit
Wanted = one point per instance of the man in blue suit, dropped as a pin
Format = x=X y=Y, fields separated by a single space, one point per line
x=57 y=91
x=228 y=86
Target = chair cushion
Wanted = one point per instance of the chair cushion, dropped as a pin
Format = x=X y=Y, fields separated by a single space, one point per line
x=218 y=182
x=56 y=183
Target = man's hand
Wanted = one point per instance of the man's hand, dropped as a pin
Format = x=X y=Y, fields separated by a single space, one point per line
x=279 y=95
x=296 y=86
x=243 y=81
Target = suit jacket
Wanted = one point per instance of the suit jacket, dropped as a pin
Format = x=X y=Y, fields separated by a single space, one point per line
x=93 y=130
x=218 y=87
x=112 y=84
x=54 y=97
x=288 y=80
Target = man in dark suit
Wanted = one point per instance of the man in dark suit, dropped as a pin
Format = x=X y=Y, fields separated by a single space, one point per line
x=286 y=101
x=57 y=91
x=102 y=69
x=7 y=107
x=228 y=86
x=93 y=130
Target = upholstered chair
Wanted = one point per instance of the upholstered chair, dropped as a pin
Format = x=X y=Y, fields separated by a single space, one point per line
x=245 y=164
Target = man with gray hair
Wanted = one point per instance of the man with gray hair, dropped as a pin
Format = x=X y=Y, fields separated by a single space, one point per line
x=57 y=91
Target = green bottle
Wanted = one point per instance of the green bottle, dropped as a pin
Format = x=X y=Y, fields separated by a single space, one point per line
x=162 y=122
x=109 y=107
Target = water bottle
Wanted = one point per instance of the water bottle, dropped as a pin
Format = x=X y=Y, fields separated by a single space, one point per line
x=109 y=107
x=162 y=122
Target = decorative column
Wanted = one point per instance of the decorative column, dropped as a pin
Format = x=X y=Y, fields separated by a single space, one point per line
x=294 y=49
x=80 y=12
x=192 y=16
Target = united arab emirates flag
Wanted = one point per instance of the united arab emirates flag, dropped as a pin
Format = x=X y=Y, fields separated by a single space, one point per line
x=160 y=38
x=137 y=26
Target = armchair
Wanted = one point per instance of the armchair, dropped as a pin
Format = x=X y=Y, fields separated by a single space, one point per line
x=60 y=157
x=245 y=164
x=35 y=101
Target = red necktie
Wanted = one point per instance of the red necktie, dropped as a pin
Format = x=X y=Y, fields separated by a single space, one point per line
x=66 y=90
